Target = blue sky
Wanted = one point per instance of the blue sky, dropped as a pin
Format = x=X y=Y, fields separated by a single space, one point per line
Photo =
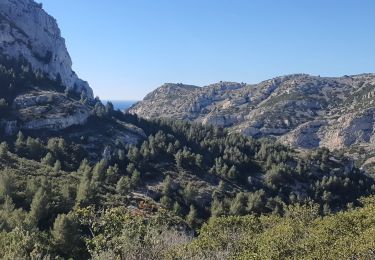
x=127 y=48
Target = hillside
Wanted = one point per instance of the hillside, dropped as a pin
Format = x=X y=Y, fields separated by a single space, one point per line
x=81 y=180
x=300 y=110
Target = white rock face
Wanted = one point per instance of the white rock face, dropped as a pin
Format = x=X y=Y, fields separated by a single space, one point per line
x=27 y=31
x=58 y=123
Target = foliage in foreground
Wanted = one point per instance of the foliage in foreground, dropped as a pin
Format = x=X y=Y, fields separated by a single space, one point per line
x=118 y=234
x=300 y=234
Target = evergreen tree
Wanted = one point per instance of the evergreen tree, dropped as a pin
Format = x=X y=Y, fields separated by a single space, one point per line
x=167 y=186
x=4 y=150
x=166 y=201
x=6 y=185
x=64 y=235
x=34 y=148
x=48 y=159
x=191 y=218
x=134 y=154
x=123 y=185
x=135 y=179
x=177 y=208
x=130 y=168
x=217 y=208
x=84 y=190
x=111 y=173
x=199 y=160
x=232 y=173
x=39 y=206
x=222 y=186
x=179 y=159
x=238 y=206
x=256 y=201
x=99 y=171
x=188 y=193
x=121 y=155
x=57 y=166
x=20 y=142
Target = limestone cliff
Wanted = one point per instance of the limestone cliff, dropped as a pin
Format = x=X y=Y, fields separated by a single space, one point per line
x=27 y=31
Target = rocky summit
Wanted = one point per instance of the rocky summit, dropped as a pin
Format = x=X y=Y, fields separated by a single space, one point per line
x=301 y=110
x=28 y=32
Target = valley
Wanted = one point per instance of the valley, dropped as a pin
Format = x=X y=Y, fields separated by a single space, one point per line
x=282 y=169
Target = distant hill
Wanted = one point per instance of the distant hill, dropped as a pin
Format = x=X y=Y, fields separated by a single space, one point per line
x=300 y=110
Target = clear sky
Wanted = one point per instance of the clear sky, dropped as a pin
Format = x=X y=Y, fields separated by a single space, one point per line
x=127 y=48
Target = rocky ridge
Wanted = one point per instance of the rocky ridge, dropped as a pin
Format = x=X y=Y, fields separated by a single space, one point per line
x=301 y=110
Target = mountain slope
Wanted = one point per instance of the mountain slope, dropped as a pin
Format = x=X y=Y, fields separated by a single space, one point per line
x=41 y=95
x=302 y=110
x=27 y=31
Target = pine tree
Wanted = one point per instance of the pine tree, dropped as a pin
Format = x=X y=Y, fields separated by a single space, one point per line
x=135 y=179
x=177 y=208
x=121 y=155
x=84 y=190
x=6 y=185
x=8 y=205
x=4 y=150
x=20 y=142
x=34 y=148
x=256 y=201
x=238 y=206
x=199 y=160
x=64 y=235
x=191 y=218
x=39 y=206
x=57 y=166
x=130 y=168
x=189 y=193
x=232 y=173
x=123 y=185
x=99 y=171
x=84 y=167
x=166 y=201
x=112 y=173
x=48 y=159
x=179 y=159
x=134 y=154
x=217 y=208
x=167 y=186
x=222 y=186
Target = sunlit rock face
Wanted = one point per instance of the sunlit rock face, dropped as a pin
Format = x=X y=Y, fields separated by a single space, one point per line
x=27 y=31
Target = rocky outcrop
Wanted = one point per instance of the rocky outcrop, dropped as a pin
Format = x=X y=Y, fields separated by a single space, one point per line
x=49 y=110
x=301 y=110
x=58 y=122
x=28 y=32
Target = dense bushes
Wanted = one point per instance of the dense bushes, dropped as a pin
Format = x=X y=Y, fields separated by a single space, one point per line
x=300 y=234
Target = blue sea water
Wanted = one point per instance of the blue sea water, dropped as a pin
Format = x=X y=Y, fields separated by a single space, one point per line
x=121 y=104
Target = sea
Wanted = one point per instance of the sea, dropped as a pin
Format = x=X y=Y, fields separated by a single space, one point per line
x=121 y=104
